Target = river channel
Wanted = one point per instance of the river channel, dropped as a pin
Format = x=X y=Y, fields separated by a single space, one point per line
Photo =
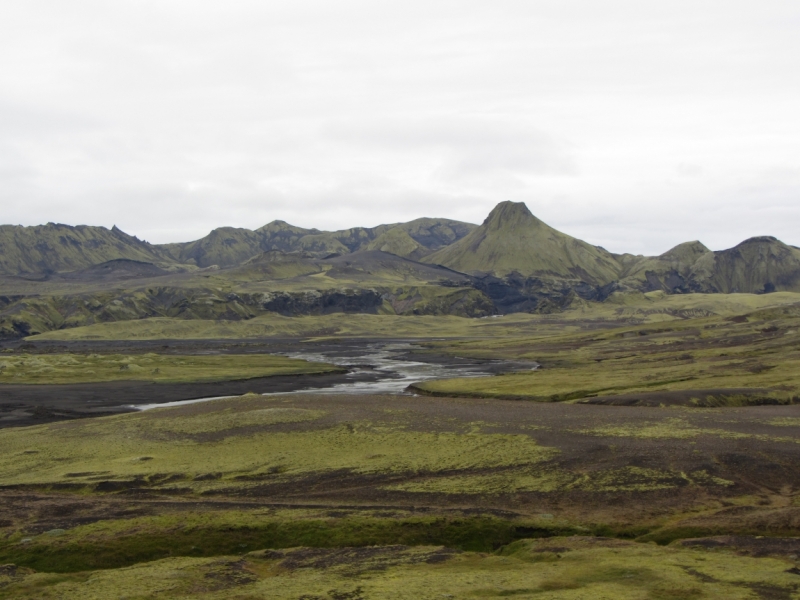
x=379 y=368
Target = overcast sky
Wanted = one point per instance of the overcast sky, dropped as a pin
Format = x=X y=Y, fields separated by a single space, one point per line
x=633 y=125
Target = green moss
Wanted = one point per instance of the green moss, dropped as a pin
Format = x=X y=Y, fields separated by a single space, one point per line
x=675 y=428
x=627 y=479
x=498 y=336
x=705 y=362
x=243 y=446
x=114 y=544
x=785 y=422
x=161 y=368
x=568 y=568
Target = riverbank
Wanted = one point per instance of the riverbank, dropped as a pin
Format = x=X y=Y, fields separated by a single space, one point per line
x=355 y=366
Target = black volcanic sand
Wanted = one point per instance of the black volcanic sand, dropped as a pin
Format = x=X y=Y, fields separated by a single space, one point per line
x=23 y=405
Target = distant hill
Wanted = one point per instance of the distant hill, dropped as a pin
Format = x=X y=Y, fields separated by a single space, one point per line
x=512 y=240
x=364 y=268
x=420 y=237
x=229 y=246
x=53 y=247
x=224 y=247
x=513 y=257
x=670 y=272
x=758 y=265
x=113 y=270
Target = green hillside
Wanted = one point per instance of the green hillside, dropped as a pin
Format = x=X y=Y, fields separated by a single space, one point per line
x=224 y=247
x=511 y=240
x=420 y=237
x=757 y=265
x=55 y=247
x=669 y=272
x=229 y=246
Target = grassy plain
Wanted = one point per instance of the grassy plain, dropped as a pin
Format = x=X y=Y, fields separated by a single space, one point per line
x=162 y=368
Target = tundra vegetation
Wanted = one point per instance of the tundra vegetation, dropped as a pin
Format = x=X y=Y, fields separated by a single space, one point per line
x=69 y=368
x=651 y=450
x=529 y=485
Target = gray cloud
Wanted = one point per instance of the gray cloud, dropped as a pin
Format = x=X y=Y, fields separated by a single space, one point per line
x=634 y=125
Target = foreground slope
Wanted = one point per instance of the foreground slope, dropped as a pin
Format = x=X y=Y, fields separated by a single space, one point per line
x=283 y=471
x=567 y=567
x=512 y=240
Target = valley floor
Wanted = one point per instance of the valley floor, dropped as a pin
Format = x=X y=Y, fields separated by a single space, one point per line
x=651 y=455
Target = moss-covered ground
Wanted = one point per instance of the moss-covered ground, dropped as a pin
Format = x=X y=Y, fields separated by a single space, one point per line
x=574 y=567
x=224 y=477
x=630 y=310
x=687 y=487
x=705 y=361
x=162 y=368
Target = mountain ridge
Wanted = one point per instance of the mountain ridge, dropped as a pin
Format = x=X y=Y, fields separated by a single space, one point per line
x=512 y=247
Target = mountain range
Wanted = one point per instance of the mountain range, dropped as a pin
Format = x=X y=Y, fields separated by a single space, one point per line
x=54 y=276
x=52 y=248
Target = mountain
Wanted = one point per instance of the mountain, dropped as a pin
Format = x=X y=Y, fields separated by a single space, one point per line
x=420 y=237
x=513 y=241
x=670 y=272
x=229 y=246
x=224 y=247
x=54 y=247
x=757 y=265
x=513 y=258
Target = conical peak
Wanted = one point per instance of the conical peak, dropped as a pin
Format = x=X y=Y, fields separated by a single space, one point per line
x=510 y=214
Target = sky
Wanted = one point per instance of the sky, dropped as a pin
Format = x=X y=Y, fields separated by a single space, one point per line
x=633 y=125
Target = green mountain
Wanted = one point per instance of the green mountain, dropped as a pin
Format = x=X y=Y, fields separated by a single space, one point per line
x=669 y=272
x=54 y=276
x=229 y=246
x=54 y=247
x=224 y=247
x=757 y=265
x=512 y=240
x=420 y=237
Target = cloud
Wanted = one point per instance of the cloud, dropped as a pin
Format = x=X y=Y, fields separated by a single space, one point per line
x=635 y=125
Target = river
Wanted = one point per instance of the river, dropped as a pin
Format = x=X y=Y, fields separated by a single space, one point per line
x=380 y=368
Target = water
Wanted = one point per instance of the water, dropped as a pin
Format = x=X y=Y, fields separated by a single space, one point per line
x=382 y=368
